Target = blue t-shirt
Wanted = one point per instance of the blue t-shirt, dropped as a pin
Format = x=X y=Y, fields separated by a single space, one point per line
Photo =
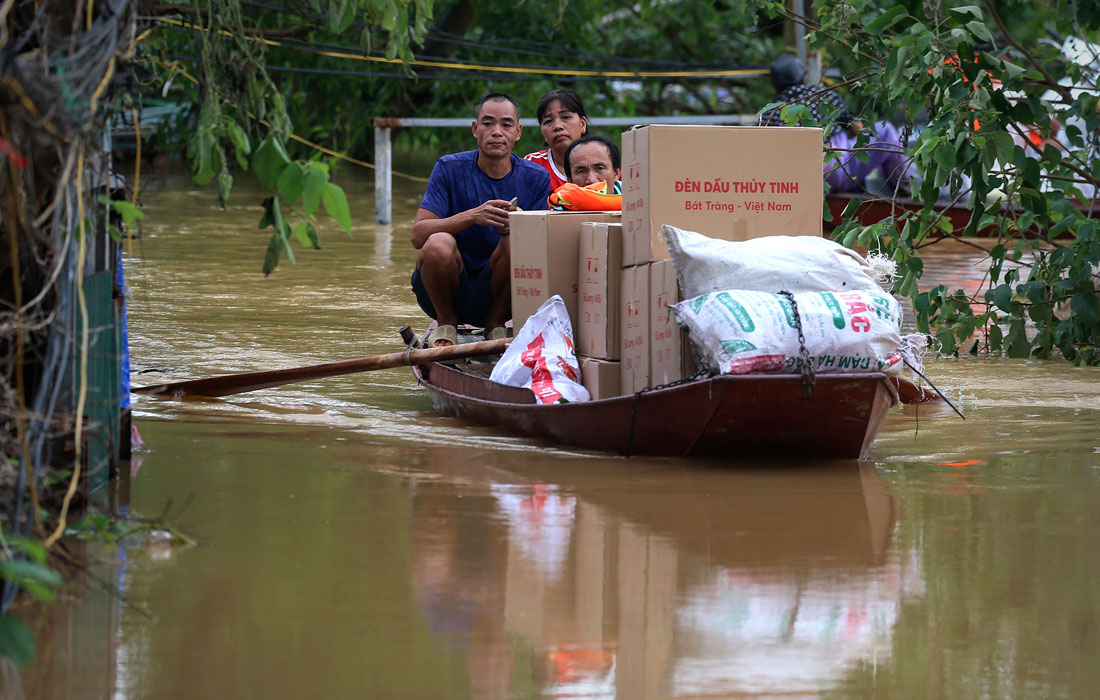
x=457 y=184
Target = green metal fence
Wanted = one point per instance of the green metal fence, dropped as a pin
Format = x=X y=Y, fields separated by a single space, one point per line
x=104 y=380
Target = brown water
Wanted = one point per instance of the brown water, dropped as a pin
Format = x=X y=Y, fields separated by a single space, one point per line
x=351 y=543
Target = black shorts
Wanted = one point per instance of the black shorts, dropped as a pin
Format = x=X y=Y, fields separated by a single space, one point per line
x=472 y=301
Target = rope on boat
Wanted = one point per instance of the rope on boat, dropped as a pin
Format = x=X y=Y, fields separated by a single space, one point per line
x=934 y=388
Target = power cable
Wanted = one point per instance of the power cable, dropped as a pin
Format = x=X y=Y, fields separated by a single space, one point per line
x=534 y=70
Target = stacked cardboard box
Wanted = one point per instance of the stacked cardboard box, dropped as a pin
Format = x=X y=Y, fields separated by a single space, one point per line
x=544 y=248
x=727 y=182
x=624 y=314
x=732 y=183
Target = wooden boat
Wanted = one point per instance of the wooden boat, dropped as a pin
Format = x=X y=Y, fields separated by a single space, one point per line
x=726 y=416
x=874 y=209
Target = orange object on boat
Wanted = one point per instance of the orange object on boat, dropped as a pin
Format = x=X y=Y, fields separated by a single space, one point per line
x=593 y=197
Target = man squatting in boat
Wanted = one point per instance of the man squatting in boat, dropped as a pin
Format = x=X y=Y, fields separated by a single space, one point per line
x=461 y=228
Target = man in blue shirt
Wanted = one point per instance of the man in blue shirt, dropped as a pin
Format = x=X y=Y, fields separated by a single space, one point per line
x=461 y=228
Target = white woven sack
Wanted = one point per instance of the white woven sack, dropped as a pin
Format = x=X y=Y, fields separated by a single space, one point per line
x=542 y=357
x=743 y=332
x=768 y=264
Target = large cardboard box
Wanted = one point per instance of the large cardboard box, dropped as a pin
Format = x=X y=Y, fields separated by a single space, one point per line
x=665 y=341
x=634 y=324
x=728 y=182
x=600 y=260
x=544 y=250
x=600 y=377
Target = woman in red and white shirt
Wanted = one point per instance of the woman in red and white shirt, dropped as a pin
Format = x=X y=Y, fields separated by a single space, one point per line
x=562 y=120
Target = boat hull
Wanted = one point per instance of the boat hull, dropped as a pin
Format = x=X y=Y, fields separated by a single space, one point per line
x=728 y=416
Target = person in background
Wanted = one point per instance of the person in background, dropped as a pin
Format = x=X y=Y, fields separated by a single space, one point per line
x=563 y=120
x=461 y=228
x=847 y=173
x=594 y=159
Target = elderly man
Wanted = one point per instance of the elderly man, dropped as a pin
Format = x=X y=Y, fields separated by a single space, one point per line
x=461 y=227
x=594 y=159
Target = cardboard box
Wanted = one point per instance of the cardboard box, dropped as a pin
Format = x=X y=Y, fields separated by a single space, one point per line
x=600 y=261
x=664 y=335
x=728 y=182
x=544 y=258
x=634 y=325
x=688 y=367
x=600 y=377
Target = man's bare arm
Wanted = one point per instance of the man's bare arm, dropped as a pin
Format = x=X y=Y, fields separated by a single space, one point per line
x=491 y=213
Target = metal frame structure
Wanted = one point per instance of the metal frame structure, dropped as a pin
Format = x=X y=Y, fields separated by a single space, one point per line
x=383 y=151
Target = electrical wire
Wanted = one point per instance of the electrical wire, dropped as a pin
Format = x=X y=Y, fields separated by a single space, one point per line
x=544 y=49
x=451 y=65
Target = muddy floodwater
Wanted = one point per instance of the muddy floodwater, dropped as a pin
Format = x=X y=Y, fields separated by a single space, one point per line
x=353 y=544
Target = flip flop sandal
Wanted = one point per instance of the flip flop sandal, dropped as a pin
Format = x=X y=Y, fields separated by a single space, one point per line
x=446 y=332
x=498 y=333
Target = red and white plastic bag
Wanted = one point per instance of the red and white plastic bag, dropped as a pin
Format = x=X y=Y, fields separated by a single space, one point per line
x=542 y=357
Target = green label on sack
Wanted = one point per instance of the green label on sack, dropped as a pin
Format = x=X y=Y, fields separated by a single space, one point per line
x=739 y=313
x=788 y=311
x=834 y=308
x=697 y=302
x=884 y=306
x=736 y=346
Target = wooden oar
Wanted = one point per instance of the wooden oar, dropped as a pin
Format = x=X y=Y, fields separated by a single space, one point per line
x=251 y=381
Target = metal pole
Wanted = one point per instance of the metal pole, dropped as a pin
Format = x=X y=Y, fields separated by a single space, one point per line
x=383 y=175
x=800 y=30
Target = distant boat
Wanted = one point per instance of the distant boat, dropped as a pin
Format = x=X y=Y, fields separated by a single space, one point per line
x=873 y=209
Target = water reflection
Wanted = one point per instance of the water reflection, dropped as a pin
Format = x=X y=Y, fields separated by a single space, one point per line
x=353 y=543
x=638 y=583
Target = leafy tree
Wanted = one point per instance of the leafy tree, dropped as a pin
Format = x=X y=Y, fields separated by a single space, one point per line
x=241 y=105
x=1011 y=133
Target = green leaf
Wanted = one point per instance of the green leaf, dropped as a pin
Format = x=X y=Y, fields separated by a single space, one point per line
x=389 y=16
x=269 y=160
x=335 y=14
x=274 y=249
x=206 y=165
x=127 y=211
x=1010 y=70
x=1087 y=306
x=314 y=239
x=268 y=218
x=1018 y=345
x=979 y=30
x=276 y=214
x=225 y=185
x=1005 y=146
x=291 y=182
x=241 y=145
x=945 y=156
x=16 y=640
x=300 y=233
x=282 y=227
x=995 y=336
x=19 y=572
x=347 y=17
x=886 y=19
x=336 y=204
x=947 y=341
x=969 y=9
x=314 y=185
